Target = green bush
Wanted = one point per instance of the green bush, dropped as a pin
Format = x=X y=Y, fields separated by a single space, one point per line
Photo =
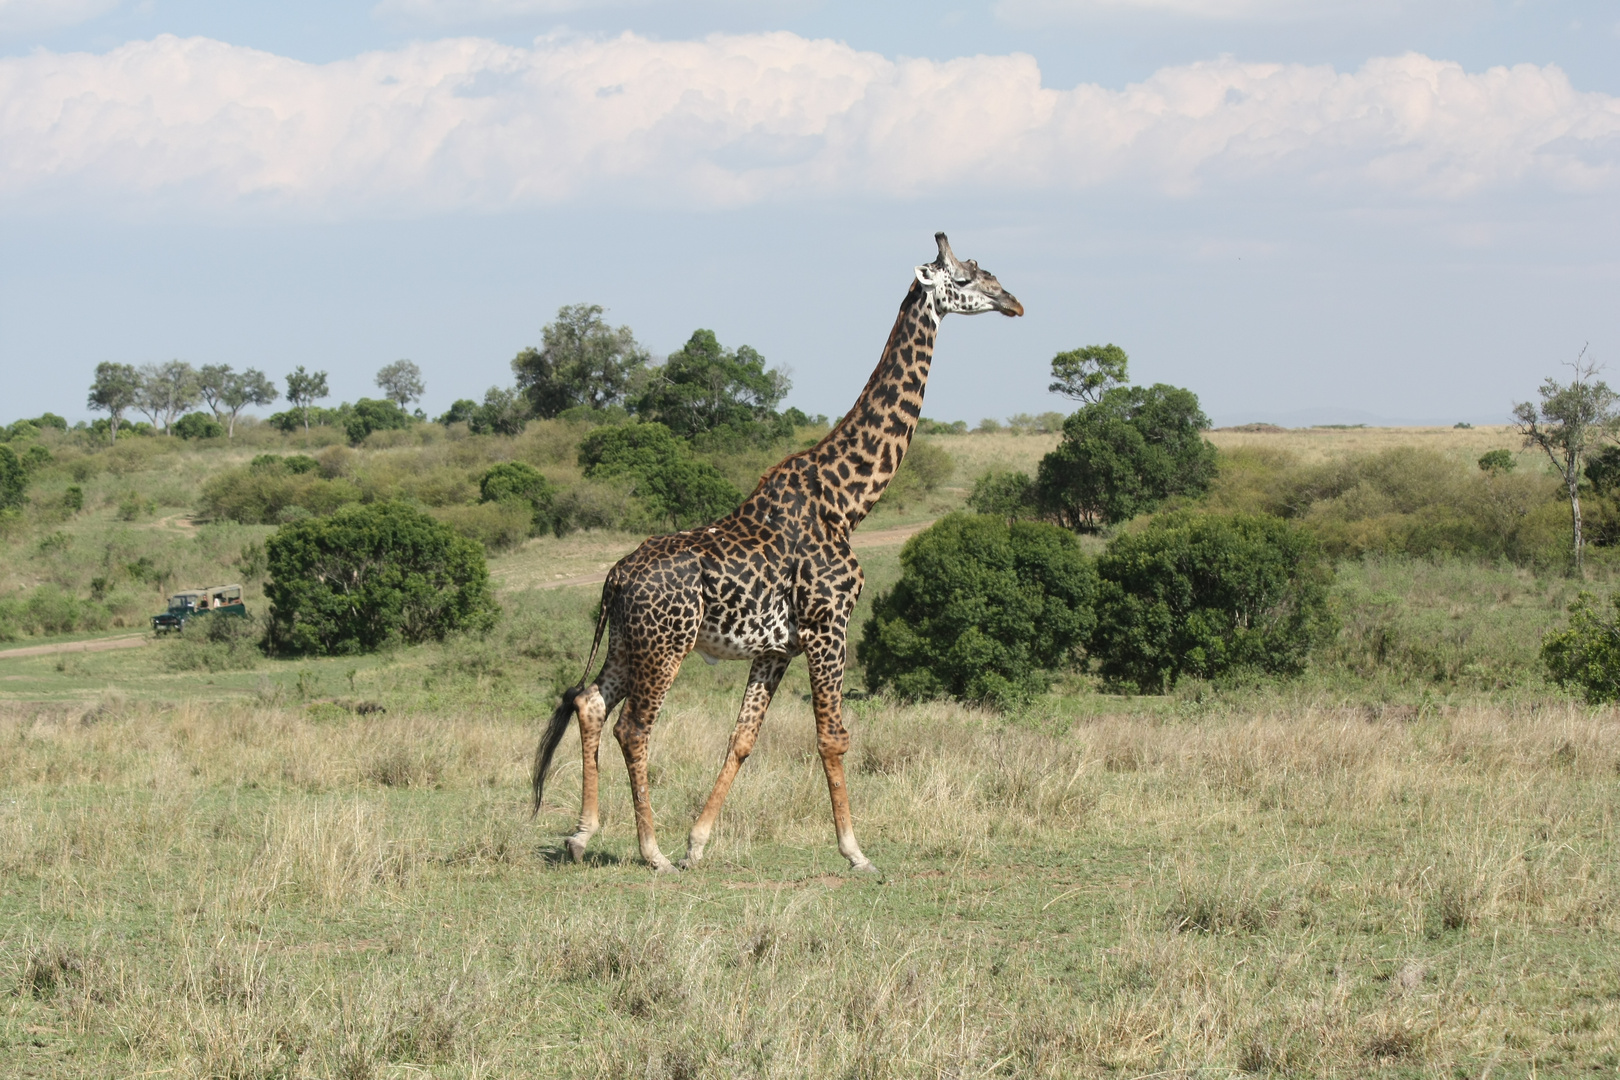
x=13 y=480
x=368 y=415
x=924 y=468
x=498 y=525
x=1206 y=594
x=48 y=610
x=1586 y=655
x=1004 y=494
x=368 y=576
x=515 y=482
x=199 y=425
x=215 y=643
x=984 y=611
x=664 y=476
x=1405 y=500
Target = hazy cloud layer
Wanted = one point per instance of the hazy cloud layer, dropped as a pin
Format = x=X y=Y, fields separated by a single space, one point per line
x=27 y=16
x=469 y=123
x=1036 y=11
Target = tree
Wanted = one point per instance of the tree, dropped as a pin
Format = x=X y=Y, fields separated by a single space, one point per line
x=167 y=390
x=704 y=387
x=1088 y=373
x=581 y=362
x=115 y=391
x=1207 y=594
x=503 y=412
x=984 y=611
x=212 y=382
x=304 y=388
x=371 y=575
x=1125 y=455
x=401 y=382
x=1570 y=420
x=666 y=478
x=1501 y=462
x=461 y=411
x=251 y=387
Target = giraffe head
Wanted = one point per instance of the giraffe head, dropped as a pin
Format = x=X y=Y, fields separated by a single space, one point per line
x=963 y=287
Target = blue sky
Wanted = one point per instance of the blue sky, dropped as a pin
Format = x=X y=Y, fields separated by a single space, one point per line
x=1305 y=210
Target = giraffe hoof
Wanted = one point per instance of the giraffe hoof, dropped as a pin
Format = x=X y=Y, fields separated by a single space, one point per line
x=866 y=867
x=576 y=849
x=666 y=867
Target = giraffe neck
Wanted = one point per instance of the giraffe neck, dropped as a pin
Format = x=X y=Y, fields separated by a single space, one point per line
x=858 y=458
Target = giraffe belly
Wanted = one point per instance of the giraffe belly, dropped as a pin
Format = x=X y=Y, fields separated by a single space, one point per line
x=745 y=639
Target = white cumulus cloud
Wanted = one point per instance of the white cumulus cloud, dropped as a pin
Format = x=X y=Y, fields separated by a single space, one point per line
x=470 y=123
x=447 y=12
x=1039 y=11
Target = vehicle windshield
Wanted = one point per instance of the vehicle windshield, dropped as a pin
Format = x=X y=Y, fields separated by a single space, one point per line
x=179 y=603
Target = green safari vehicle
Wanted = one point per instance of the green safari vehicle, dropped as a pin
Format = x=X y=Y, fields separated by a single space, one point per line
x=224 y=600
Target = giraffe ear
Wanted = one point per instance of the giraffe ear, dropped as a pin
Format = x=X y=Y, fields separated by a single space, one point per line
x=927 y=273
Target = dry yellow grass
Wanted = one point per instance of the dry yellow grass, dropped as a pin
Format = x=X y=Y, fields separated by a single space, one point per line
x=1287 y=887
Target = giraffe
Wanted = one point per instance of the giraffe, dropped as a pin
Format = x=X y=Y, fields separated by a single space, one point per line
x=773 y=579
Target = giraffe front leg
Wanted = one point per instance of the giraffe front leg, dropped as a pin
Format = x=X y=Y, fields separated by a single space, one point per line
x=826 y=661
x=593 y=710
x=763 y=678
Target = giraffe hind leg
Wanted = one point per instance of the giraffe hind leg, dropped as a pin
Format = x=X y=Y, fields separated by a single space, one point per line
x=593 y=709
x=633 y=730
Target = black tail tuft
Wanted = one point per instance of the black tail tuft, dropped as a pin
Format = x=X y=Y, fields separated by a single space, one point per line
x=548 y=742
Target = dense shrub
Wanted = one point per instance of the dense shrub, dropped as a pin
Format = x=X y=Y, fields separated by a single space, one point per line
x=199 y=425
x=984 y=611
x=216 y=643
x=515 y=482
x=664 y=476
x=498 y=525
x=13 y=479
x=48 y=610
x=1405 y=500
x=1126 y=455
x=1004 y=494
x=368 y=576
x=725 y=396
x=1204 y=594
x=1586 y=655
x=273 y=490
x=924 y=468
x=368 y=415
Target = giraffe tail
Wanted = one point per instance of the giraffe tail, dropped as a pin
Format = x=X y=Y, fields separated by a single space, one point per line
x=558 y=727
x=548 y=741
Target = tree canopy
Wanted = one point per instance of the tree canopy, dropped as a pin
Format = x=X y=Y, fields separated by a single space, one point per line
x=304 y=388
x=704 y=387
x=1086 y=374
x=116 y=389
x=401 y=382
x=1125 y=455
x=1569 y=422
x=581 y=362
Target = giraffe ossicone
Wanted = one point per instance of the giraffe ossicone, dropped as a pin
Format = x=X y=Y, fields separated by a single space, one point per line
x=772 y=580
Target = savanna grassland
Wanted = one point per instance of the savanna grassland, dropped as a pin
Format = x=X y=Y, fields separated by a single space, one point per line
x=1404 y=863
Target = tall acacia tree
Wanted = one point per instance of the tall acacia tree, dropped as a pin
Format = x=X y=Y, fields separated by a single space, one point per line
x=304 y=388
x=1087 y=373
x=167 y=390
x=115 y=391
x=401 y=382
x=1568 y=423
x=251 y=387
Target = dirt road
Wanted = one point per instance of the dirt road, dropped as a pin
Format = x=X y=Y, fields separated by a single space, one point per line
x=122 y=641
x=880 y=538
